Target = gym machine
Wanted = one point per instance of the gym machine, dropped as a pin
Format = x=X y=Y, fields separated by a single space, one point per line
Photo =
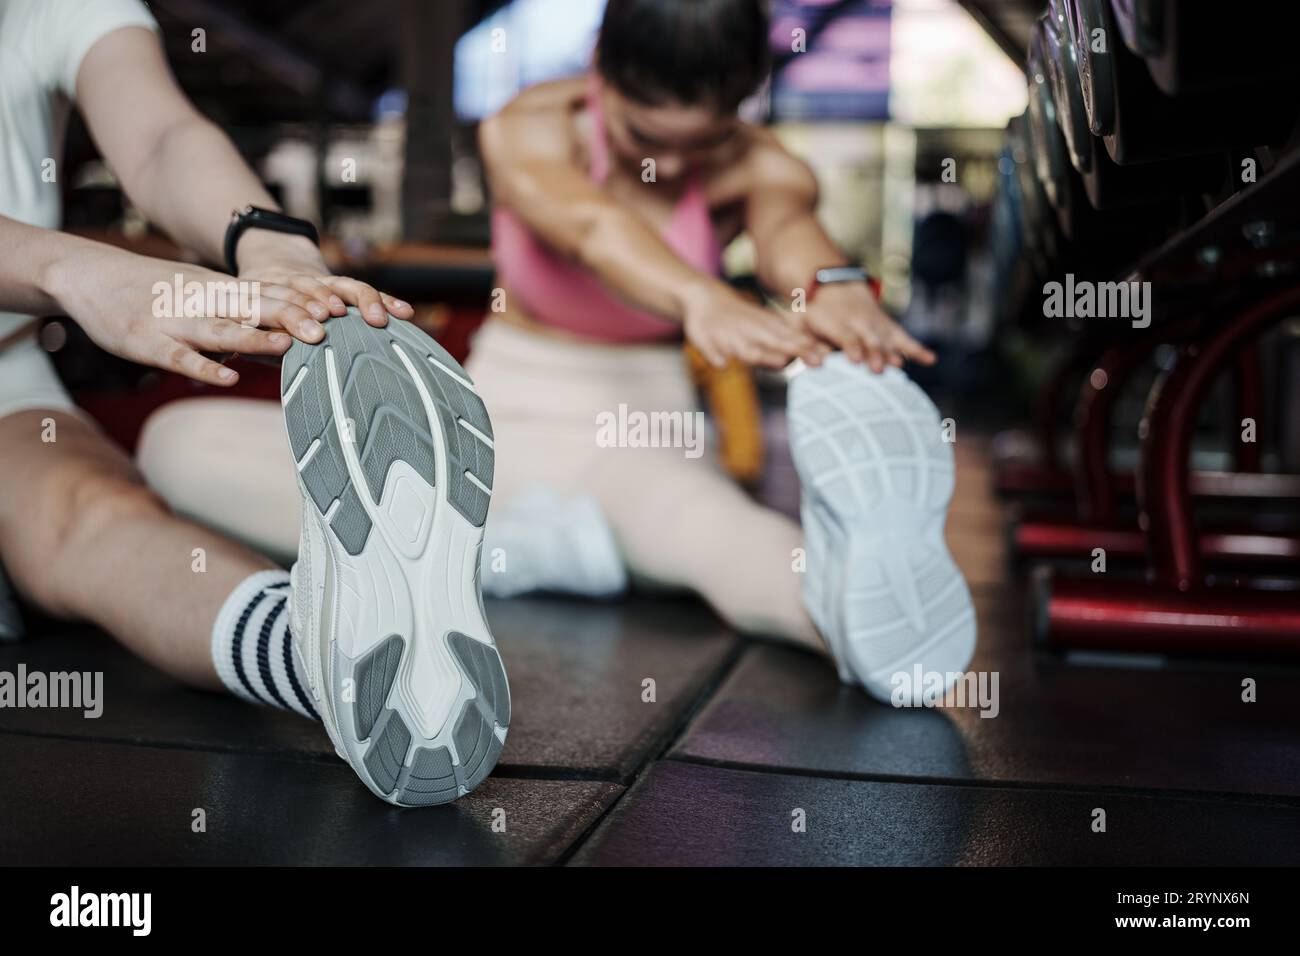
x=1160 y=146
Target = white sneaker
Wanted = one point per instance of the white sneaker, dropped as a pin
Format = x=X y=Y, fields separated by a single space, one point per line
x=877 y=477
x=394 y=453
x=542 y=541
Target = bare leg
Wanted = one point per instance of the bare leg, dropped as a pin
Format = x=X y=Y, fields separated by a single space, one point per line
x=83 y=537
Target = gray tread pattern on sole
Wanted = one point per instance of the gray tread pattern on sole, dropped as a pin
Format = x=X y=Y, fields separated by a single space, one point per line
x=476 y=745
x=374 y=676
x=432 y=778
x=309 y=417
x=351 y=523
x=465 y=453
x=387 y=419
x=482 y=664
x=387 y=752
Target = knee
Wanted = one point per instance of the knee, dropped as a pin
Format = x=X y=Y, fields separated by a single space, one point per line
x=95 y=504
x=75 y=509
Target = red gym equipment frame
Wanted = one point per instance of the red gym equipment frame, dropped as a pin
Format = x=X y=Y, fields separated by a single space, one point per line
x=1176 y=612
x=1247 y=541
x=1187 y=605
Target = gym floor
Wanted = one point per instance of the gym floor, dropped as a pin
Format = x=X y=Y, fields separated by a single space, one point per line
x=741 y=736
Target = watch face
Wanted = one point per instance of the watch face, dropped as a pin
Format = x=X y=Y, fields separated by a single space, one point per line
x=841 y=274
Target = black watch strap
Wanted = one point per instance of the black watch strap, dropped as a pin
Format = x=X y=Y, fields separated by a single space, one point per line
x=255 y=217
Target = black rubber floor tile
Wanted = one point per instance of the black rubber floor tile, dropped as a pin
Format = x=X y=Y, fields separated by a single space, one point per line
x=1180 y=727
x=143 y=704
x=92 y=803
x=578 y=674
x=576 y=670
x=683 y=813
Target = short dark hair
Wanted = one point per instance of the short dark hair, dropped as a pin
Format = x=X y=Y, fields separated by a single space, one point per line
x=696 y=52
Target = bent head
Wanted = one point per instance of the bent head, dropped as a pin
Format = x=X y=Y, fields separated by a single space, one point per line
x=674 y=73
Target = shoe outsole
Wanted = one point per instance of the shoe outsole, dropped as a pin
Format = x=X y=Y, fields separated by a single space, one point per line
x=394 y=453
x=877 y=479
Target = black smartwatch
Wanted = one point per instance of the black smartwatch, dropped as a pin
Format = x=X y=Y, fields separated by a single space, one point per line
x=255 y=217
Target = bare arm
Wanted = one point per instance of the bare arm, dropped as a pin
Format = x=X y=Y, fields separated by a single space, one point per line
x=25 y=269
x=527 y=154
x=177 y=166
x=187 y=177
x=113 y=295
x=791 y=245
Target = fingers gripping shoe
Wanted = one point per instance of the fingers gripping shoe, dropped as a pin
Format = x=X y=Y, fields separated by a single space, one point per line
x=394 y=454
x=876 y=480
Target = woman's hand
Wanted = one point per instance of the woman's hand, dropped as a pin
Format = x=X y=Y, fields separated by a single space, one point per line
x=299 y=290
x=147 y=310
x=723 y=325
x=128 y=305
x=848 y=317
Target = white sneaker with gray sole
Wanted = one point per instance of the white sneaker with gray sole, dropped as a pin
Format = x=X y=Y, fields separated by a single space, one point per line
x=394 y=453
x=877 y=477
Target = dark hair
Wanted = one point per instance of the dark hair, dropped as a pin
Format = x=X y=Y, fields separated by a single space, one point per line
x=698 y=52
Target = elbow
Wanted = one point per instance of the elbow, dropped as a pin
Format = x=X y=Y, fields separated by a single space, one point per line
x=602 y=228
x=168 y=147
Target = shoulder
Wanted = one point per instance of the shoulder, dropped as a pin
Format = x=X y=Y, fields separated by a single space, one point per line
x=539 y=121
x=760 y=163
x=70 y=28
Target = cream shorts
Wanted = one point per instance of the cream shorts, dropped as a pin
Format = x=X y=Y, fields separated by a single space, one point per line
x=28 y=380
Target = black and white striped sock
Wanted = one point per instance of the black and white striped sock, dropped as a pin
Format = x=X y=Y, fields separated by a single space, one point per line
x=252 y=648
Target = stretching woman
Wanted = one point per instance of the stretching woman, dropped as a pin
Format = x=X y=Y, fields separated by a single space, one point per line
x=615 y=194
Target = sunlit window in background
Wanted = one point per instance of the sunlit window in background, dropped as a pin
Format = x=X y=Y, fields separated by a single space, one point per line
x=946 y=71
x=524 y=43
x=917 y=62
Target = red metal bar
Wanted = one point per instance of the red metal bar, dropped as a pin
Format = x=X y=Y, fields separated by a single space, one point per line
x=1096 y=486
x=1132 y=616
x=1022 y=478
x=1070 y=540
x=1053 y=395
x=1163 y=470
x=1248 y=399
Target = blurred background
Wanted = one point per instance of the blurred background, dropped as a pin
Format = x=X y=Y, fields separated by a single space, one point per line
x=970 y=152
x=362 y=117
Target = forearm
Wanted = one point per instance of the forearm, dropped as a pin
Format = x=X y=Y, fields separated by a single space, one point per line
x=192 y=181
x=789 y=257
x=34 y=271
x=639 y=267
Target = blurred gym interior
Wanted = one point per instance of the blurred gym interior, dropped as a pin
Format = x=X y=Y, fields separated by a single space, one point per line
x=1126 y=499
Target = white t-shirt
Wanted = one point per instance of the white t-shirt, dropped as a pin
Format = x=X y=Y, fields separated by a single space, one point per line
x=42 y=44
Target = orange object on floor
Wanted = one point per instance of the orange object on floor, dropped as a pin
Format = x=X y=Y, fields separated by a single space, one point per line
x=732 y=399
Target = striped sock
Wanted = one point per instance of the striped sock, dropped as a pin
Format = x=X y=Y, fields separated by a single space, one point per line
x=252 y=648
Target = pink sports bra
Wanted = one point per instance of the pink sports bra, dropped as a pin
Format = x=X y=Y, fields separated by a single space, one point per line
x=565 y=296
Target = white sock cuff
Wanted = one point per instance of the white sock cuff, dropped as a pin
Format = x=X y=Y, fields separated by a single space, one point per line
x=223 y=627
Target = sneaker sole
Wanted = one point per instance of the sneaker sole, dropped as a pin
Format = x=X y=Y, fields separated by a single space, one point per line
x=878 y=477
x=394 y=453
